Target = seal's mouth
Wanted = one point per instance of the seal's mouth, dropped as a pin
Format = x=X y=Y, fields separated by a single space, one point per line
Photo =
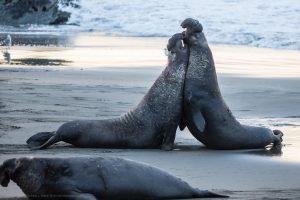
x=173 y=41
x=185 y=39
x=175 y=44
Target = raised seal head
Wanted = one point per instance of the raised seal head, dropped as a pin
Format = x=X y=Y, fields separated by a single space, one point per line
x=193 y=35
x=176 y=49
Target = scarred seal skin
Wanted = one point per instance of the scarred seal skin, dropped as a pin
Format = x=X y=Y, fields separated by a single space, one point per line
x=151 y=124
x=205 y=112
x=93 y=179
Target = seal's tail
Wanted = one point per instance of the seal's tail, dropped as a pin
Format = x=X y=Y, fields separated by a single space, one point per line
x=42 y=140
x=208 y=194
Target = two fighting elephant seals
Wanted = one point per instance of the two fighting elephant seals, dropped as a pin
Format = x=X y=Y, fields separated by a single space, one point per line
x=94 y=178
x=205 y=112
x=154 y=121
x=151 y=124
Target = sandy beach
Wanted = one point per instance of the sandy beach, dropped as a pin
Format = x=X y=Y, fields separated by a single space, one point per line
x=89 y=76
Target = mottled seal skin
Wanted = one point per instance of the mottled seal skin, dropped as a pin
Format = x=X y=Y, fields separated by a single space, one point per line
x=205 y=112
x=151 y=124
x=94 y=178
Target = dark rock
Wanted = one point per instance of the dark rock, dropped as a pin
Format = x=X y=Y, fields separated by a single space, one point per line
x=17 y=12
x=60 y=19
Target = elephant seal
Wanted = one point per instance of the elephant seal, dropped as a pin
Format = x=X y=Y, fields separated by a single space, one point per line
x=151 y=124
x=205 y=112
x=94 y=178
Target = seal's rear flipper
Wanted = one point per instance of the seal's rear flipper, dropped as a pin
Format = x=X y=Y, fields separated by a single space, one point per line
x=279 y=134
x=277 y=143
x=39 y=139
x=54 y=139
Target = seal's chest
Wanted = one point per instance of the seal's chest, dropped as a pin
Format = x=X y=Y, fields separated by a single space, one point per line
x=198 y=66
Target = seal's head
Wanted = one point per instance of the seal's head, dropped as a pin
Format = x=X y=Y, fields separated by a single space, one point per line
x=26 y=172
x=7 y=170
x=176 y=49
x=193 y=35
x=192 y=26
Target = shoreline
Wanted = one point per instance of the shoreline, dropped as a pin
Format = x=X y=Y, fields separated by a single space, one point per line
x=92 y=51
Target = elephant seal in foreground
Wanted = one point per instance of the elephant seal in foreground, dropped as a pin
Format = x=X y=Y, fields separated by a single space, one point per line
x=94 y=178
x=151 y=124
x=205 y=112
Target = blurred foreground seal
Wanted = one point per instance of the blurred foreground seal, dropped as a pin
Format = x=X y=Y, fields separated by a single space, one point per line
x=152 y=124
x=205 y=112
x=94 y=178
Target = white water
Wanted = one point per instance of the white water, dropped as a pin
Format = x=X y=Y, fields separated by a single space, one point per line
x=269 y=23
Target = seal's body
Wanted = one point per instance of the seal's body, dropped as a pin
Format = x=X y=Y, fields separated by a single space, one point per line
x=151 y=124
x=205 y=112
x=94 y=178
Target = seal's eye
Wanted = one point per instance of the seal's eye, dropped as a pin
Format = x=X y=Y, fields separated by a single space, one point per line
x=50 y=172
x=65 y=170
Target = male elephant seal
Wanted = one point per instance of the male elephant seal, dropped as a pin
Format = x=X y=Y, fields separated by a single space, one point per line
x=151 y=124
x=94 y=178
x=205 y=112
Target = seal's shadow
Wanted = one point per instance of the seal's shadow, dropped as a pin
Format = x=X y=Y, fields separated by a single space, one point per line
x=268 y=151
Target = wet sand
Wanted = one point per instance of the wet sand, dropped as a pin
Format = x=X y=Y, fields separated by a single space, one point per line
x=97 y=77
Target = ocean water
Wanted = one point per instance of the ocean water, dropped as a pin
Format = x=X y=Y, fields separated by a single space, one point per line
x=270 y=23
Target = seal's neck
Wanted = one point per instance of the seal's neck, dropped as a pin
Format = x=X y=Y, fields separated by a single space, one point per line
x=166 y=92
x=28 y=178
x=201 y=68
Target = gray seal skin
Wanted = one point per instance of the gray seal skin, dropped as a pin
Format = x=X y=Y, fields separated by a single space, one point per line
x=151 y=124
x=94 y=178
x=205 y=112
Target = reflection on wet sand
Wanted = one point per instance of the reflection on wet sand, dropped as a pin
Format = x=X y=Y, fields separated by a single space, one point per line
x=7 y=42
x=32 y=40
x=92 y=50
x=33 y=61
x=39 y=62
x=88 y=51
x=23 y=39
x=7 y=57
x=268 y=151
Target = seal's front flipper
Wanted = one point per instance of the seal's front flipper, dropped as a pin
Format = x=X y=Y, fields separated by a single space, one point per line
x=182 y=123
x=169 y=134
x=198 y=121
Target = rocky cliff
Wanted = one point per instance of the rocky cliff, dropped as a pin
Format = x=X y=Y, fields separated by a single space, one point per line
x=17 y=12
